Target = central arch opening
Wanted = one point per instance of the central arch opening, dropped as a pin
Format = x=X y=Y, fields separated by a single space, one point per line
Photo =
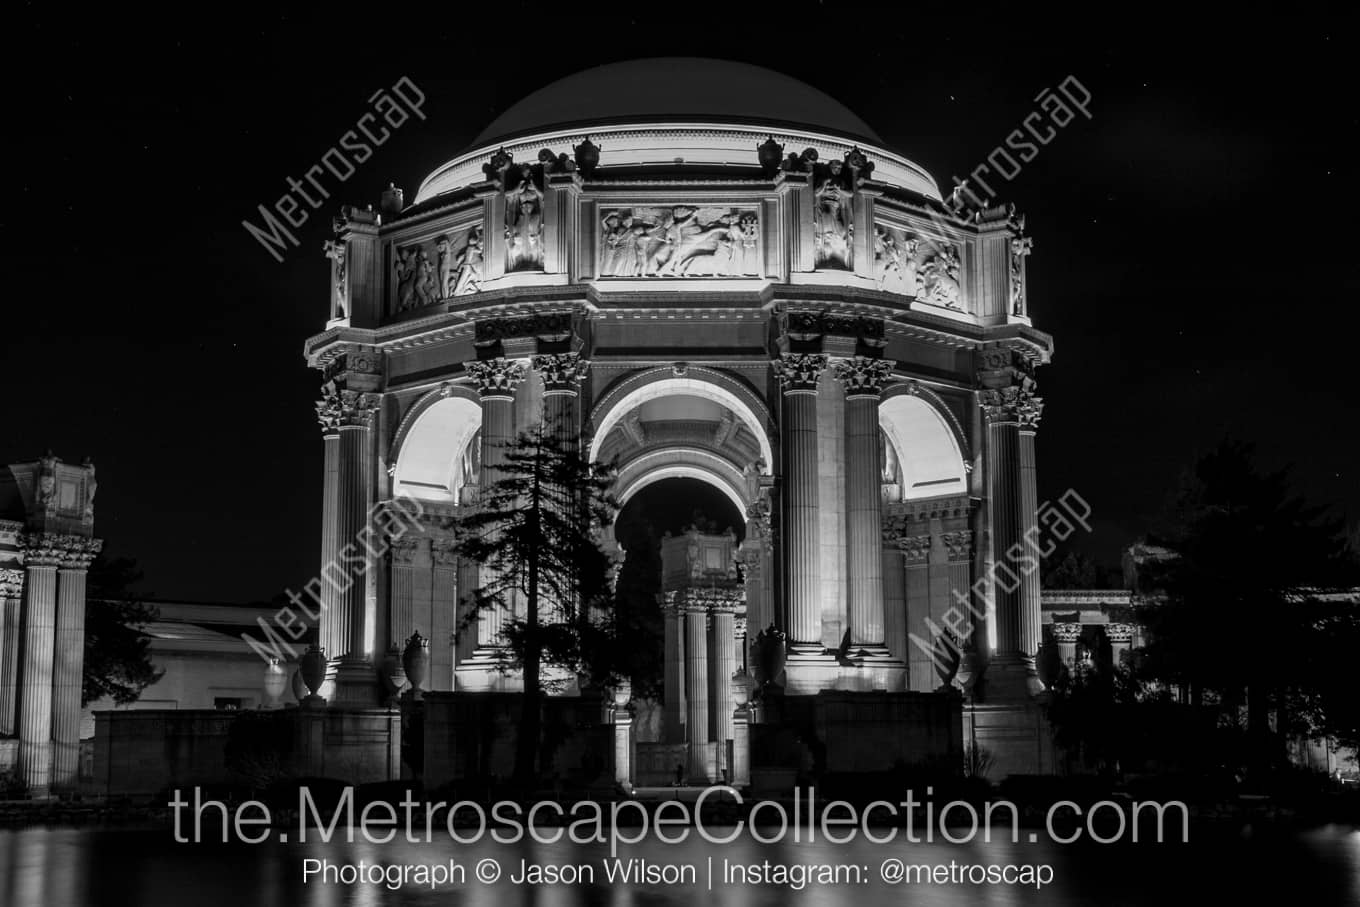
x=668 y=506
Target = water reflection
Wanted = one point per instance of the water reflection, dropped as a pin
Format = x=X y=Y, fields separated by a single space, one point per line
x=100 y=867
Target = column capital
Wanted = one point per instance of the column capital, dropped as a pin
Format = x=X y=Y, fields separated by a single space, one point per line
x=798 y=373
x=915 y=548
x=863 y=376
x=11 y=582
x=1066 y=632
x=562 y=372
x=405 y=549
x=496 y=378
x=1018 y=404
x=340 y=408
x=54 y=549
x=444 y=552
x=1119 y=633
x=958 y=544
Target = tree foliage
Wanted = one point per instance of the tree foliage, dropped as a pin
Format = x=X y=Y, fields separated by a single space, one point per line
x=533 y=532
x=117 y=653
x=1245 y=614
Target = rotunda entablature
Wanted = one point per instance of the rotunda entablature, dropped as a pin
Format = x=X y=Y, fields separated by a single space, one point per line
x=685 y=194
x=653 y=151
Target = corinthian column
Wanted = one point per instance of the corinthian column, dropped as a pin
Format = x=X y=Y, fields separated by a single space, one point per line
x=696 y=690
x=11 y=605
x=1012 y=414
x=722 y=665
x=798 y=375
x=349 y=414
x=69 y=660
x=43 y=555
x=562 y=374
x=331 y=629
x=863 y=379
x=1066 y=634
x=497 y=380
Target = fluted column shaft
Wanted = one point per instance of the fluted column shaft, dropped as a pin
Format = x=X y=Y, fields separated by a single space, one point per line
x=11 y=607
x=332 y=636
x=1031 y=606
x=498 y=429
x=798 y=375
x=696 y=691
x=35 y=684
x=674 y=679
x=723 y=664
x=562 y=374
x=894 y=601
x=1007 y=522
x=351 y=517
x=67 y=667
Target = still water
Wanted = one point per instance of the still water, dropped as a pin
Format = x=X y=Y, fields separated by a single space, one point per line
x=73 y=867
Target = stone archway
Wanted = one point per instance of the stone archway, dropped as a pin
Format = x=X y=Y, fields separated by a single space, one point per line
x=929 y=456
x=434 y=450
x=708 y=384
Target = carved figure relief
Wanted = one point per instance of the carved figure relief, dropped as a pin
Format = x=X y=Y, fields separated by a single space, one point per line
x=834 y=184
x=335 y=251
x=679 y=241
x=923 y=267
x=939 y=277
x=524 y=223
x=439 y=268
x=833 y=221
x=1020 y=248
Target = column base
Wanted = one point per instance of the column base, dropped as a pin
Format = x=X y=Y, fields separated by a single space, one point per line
x=356 y=683
x=808 y=668
x=1009 y=678
x=1015 y=737
x=484 y=672
x=703 y=763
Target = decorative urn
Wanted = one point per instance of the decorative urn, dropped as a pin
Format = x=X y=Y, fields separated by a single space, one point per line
x=392 y=673
x=741 y=688
x=415 y=658
x=770 y=154
x=275 y=683
x=587 y=156
x=312 y=667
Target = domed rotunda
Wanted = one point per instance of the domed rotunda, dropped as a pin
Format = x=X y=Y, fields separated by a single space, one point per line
x=706 y=270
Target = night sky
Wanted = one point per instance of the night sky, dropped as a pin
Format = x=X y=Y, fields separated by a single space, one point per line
x=1193 y=242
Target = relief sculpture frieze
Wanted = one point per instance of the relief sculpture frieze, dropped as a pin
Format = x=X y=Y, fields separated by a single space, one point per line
x=679 y=241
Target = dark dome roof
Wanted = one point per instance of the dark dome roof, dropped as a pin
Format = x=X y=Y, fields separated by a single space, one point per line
x=677 y=89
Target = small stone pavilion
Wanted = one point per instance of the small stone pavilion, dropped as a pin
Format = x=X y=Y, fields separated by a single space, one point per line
x=46 y=546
